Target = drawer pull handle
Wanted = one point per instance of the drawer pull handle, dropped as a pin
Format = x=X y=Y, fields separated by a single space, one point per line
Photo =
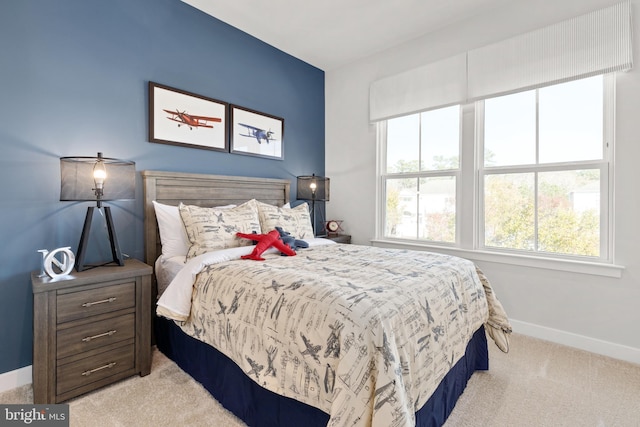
x=89 y=304
x=106 y=334
x=107 y=366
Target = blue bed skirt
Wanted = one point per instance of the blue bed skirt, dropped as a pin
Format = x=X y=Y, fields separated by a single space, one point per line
x=239 y=394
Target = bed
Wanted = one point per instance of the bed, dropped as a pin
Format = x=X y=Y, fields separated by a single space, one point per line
x=362 y=360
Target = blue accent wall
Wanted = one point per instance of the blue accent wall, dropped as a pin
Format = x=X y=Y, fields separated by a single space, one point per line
x=73 y=81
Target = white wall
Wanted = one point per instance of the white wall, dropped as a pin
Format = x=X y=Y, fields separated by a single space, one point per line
x=596 y=313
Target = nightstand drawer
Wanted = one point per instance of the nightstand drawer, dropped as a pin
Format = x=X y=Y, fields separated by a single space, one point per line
x=95 y=368
x=77 y=305
x=94 y=335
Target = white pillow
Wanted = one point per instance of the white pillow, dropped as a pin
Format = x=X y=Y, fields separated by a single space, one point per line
x=296 y=221
x=173 y=236
x=210 y=229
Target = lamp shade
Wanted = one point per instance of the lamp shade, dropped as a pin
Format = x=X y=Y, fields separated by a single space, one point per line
x=313 y=188
x=79 y=180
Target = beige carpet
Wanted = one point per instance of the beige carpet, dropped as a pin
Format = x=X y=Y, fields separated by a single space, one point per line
x=537 y=384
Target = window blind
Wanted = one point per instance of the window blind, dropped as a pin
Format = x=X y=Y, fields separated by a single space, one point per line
x=431 y=86
x=595 y=43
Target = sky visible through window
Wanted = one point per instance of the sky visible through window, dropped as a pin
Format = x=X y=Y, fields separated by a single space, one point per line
x=570 y=124
x=440 y=139
x=570 y=128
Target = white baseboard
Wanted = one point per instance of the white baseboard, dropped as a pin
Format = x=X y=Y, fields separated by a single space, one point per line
x=17 y=378
x=593 y=345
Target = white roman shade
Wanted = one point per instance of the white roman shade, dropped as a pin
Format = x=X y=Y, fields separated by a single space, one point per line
x=596 y=43
x=431 y=86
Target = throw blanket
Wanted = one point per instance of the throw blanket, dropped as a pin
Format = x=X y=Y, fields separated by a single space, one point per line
x=363 y=333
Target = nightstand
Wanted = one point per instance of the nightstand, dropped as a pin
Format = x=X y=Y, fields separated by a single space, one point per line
x=90 y=329
x=339 y=238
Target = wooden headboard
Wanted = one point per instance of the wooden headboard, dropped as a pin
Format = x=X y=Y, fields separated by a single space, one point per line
x=171 y=188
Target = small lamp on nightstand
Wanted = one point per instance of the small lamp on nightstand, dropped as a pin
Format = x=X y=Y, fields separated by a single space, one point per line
x=97 y=179
x=313 y=188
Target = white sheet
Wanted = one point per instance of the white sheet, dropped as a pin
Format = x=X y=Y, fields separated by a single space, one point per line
x=175 y=302
x=166 y=269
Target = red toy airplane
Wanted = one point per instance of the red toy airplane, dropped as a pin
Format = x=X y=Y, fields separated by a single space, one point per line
x=190 y=120
x=265 y=241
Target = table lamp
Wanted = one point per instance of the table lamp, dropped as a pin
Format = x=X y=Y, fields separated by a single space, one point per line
x=313 y=188
x=98 y=179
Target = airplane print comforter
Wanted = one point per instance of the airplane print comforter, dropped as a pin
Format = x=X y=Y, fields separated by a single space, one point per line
x=363 y=333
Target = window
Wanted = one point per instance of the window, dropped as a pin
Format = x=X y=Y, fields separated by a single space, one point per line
x=538 y=161
x=422 y=166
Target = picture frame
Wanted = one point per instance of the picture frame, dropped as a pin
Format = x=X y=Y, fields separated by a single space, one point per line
x=178 y=117
x=256 y=134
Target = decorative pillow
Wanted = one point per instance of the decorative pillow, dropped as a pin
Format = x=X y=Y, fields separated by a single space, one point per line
x=296 y=221
x=172 y=233
x=210 y=229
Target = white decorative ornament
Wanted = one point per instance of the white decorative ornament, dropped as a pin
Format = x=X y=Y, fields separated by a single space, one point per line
x=64 y=263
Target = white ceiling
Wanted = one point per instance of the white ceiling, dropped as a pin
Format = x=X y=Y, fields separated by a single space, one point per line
x=332 y=33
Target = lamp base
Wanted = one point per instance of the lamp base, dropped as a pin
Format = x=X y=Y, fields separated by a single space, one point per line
x=84 y=240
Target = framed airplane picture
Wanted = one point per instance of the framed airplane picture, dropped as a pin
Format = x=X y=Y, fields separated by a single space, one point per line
x=256 y=134
x=183 y=118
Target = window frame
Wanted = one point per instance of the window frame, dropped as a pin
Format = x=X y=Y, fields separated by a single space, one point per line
x=470 y=174
x=604 y=165
x=383 y=176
